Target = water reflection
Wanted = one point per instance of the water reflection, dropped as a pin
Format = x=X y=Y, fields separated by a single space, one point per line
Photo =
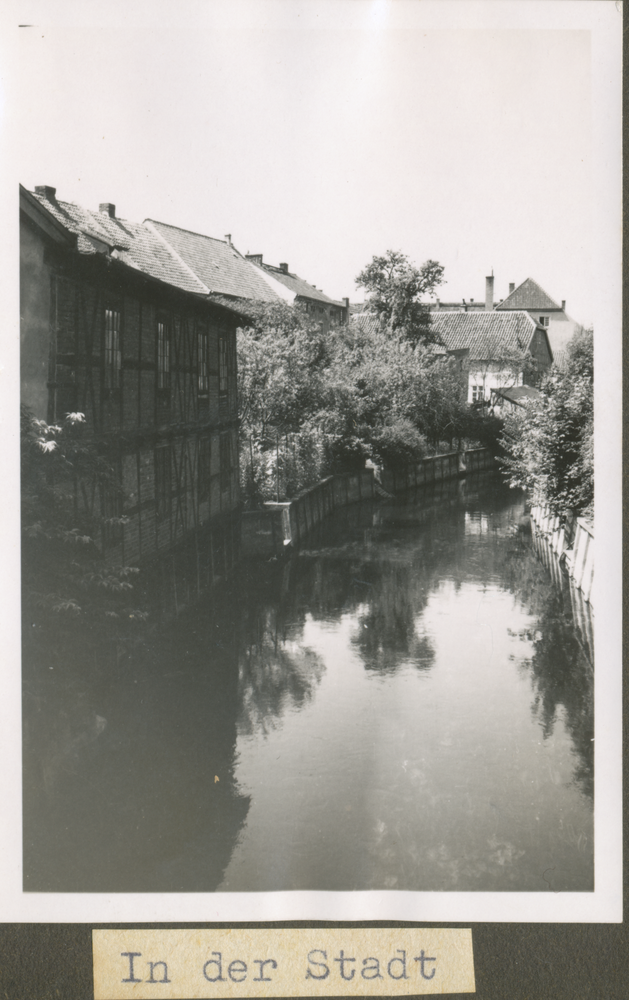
x=404 y=704
x=129 y=775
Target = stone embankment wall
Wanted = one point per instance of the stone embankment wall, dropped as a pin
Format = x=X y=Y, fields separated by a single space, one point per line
x=430 y=470
x=279 y=526
x=575 y=547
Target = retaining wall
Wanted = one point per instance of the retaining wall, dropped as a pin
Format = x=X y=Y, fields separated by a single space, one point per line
x=430 y=470
x=268 y=532
x=271 y=531
x=575 y=544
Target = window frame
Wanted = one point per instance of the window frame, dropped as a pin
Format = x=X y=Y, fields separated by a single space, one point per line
x=223 y=365
x=112 y=348
x=204 y=473
x=112 y=505
x=163 y=343
x=203 y=361
x=478 y=393
x=162 y=468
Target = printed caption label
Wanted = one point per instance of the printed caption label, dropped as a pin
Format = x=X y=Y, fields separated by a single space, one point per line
x=281 y=963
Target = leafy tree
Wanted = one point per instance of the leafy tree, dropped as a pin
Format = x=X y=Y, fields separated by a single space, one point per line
x=548 y=445
x=66 y=578
x=395 y=288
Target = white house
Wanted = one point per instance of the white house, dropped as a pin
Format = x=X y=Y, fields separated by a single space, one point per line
x=496 y=345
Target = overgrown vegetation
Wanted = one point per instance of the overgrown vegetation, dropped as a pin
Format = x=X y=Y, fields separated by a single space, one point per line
x=65 y=575
x=549 y=444
x=316 y=401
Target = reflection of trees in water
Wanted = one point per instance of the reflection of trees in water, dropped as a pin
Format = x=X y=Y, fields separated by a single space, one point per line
x=386 y=634
x=560 y=671
x=274 y=676
x=381 y=564
x=562 y=676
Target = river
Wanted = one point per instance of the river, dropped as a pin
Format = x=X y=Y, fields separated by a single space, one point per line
x=406 y=703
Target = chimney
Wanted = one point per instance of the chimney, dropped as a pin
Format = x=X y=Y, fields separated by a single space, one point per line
x=511 y=287
x=107 y=208
x=284 y=268
x=563 y=305
x=46 y=192
x=228 y=238
x=255 y=258
x=489 y=292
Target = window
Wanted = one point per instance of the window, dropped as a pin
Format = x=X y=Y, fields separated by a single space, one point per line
x=163 y=486
x=226 y=461
x=544 y=320
x=113 y=354
x=222 y=366
x=111 y=506
x=204 y=361
x=477 y=394
x=163 y=356
x=204 y=468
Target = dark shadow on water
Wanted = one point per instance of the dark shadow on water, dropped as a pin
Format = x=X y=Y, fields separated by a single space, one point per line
x=130 y=764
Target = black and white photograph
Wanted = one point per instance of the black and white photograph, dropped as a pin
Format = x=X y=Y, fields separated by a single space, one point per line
x=318 y=526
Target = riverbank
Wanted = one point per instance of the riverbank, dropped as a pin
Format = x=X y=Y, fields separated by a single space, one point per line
x=573 y=545
x=280 y=527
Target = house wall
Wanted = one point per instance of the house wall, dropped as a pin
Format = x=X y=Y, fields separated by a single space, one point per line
x=34 y=321
x=489 y=375
x=540 y=350
x=174 y=450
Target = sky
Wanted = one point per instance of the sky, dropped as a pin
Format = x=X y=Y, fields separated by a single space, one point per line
x=322 y=141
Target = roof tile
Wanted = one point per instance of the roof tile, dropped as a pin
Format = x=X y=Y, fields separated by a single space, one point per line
x=132 y=242
x=528 y=295
x=216 y=263
x=298 y=285
x=484 y=334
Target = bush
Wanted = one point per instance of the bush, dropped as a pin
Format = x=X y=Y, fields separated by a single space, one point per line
x=549 y=444
x=397 y=444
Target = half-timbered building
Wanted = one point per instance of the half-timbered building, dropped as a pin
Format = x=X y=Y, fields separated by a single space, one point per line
x=115 y=326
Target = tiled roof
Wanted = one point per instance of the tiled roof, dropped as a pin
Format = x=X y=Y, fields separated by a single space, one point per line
x=215 y=263
x=485 y=334
x=528 y=295
x=518 y=393
x=367 y=321
x=131 y=242
x=560 y=358
x=297 y=285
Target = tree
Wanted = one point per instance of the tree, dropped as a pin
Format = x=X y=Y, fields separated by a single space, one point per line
x=66 y=578
x=395 y=288
x=549 y=443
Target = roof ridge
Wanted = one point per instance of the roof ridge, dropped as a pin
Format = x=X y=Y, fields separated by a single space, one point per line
x=193 y=232
x=150 y=226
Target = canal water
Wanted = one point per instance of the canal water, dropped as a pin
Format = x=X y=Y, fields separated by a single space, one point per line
x=406 y=703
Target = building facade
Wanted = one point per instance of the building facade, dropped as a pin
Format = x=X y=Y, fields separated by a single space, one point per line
x=499 y=347
x=543 y=309
x=114 y=328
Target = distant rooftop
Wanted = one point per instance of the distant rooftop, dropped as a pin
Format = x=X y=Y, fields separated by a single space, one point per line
x=528 y=295
x=484 y=334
